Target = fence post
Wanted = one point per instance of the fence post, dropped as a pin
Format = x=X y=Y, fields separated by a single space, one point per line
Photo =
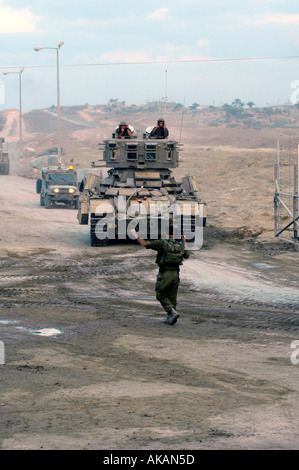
x=296 y=202
x=276 y=205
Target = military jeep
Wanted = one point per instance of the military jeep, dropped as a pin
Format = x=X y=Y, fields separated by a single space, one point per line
x=58 y=185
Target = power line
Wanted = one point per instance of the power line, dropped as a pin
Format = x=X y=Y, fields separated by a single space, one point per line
x=189 y=61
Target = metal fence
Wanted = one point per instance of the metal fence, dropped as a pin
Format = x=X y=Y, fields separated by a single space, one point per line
x=286 y=196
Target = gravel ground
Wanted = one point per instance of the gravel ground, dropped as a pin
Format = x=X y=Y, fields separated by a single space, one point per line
x=89 y=363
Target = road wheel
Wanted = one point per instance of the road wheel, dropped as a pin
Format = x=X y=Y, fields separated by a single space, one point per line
x=39 y=183
x=6 y=169
x=47 y=202
x=83 y=219
x=94 y=240
x=41 y=200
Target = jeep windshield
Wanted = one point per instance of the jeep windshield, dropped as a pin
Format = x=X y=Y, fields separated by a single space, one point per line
x=62 y=178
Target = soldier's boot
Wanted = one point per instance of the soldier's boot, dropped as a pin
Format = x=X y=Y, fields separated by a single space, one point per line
x=172 y=317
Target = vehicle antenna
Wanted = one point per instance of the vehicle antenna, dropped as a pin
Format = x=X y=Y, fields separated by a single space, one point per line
x=182 y=120
x=165 y=98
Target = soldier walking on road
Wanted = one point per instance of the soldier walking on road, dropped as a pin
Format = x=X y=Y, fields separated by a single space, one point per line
x=170 y=255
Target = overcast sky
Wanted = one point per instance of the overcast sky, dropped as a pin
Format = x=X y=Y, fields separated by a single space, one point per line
x=172 y=35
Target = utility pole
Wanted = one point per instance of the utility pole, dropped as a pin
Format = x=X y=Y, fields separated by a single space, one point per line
x=20 y=109
x=58 y=96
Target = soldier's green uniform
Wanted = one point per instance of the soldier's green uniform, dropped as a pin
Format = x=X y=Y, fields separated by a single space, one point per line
x=170 y=254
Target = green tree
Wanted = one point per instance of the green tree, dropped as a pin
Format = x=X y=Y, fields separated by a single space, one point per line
x=237 y=103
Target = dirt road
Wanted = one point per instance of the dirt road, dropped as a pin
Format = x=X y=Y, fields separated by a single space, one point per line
x=90 y=365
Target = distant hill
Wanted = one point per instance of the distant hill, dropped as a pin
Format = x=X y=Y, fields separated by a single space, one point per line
x=86 y=125
x=230 y=150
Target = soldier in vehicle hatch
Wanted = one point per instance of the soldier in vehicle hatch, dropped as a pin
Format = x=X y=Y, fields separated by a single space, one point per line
x=160 y=131
x=123 y=131
x=170 y=255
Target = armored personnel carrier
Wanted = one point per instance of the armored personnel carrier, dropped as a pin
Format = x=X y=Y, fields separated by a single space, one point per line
x=4 y=160
x=58 y=185
x=139 y=191
x=48 y=158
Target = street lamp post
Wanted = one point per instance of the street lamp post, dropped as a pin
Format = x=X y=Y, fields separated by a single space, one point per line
x=58 y=96
x=20 y=108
